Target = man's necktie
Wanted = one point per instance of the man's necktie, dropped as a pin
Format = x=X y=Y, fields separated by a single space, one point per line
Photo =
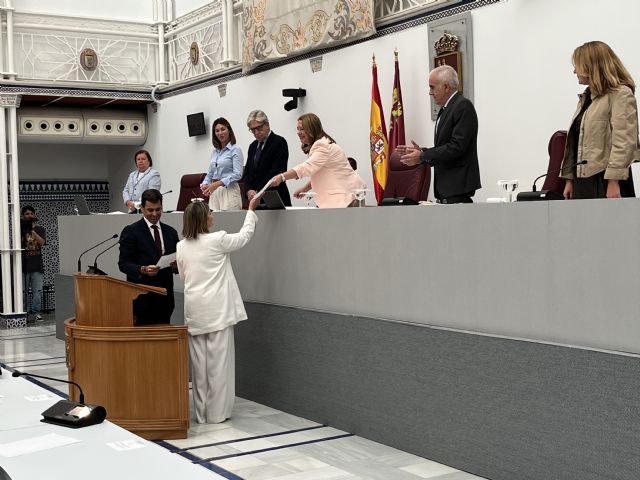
x=256 y=156
x=156 y=238
x=438 y=119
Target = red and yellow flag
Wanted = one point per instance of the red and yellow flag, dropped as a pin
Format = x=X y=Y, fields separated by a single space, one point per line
x=378 y=138
x=396 y=123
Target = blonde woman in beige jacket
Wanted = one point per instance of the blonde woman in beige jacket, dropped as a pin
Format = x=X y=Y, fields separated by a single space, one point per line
x=604 y=129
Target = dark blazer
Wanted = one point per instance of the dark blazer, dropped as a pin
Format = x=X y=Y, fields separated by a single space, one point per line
x=273 y=160
x=455 y=155
x=137 y=248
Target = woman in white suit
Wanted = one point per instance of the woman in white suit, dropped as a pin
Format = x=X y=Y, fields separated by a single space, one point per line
x=212 y=306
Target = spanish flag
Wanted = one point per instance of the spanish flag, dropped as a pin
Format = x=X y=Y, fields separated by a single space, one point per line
x=378 y=138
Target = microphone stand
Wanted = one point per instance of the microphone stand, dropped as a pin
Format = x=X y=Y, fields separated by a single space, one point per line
x=115 y=235
x=536 y=195
x=95 y=270
x=67 y=413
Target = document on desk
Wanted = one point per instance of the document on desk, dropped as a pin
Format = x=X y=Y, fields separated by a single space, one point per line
x=123 y=445
x=43 y=397
x=166 y=260
x=35 y=444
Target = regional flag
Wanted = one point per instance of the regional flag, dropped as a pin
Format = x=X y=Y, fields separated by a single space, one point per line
x=378 y=139
x=396 y=123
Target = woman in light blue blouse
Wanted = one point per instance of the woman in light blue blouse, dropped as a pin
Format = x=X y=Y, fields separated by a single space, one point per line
x=142 y=178
x=221 y=183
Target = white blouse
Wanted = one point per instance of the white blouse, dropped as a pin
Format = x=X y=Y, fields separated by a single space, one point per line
x=212 y=298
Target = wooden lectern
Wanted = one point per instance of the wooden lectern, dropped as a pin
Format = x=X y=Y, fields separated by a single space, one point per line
x=139 y=374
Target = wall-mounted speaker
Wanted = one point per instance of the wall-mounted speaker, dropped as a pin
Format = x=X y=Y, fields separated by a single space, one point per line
x=195 y=123
x=89 y=126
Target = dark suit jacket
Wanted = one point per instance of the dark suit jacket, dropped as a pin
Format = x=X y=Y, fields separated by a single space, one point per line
x=273 y=160
x=455 y=155
x=137 y=248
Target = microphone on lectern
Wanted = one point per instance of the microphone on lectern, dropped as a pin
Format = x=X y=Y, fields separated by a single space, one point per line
x=115 y=235
x=95 y=270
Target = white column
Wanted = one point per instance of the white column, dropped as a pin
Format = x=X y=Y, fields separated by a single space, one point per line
x=160 y=11
x=230 y=33
x=10 y=65
x=1 y=45
x=10 y=244
x=5 y=245
x=15 y=206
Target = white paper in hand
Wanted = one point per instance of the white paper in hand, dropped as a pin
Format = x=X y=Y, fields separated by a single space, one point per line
x=263 y=189
x=166 y=260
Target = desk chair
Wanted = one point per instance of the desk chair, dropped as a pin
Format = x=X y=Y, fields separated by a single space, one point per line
x=190 y=187
x=404 y=181
x=552 y=181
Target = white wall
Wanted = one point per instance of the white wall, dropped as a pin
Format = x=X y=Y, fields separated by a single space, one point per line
x=525 y=90
x=182 y=7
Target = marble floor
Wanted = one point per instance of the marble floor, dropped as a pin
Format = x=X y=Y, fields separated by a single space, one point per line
x=258 y=442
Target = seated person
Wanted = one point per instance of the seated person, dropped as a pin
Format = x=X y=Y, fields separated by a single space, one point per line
x=142 y=178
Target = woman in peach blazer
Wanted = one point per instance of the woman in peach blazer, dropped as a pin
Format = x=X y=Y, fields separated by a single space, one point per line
x=330 y=174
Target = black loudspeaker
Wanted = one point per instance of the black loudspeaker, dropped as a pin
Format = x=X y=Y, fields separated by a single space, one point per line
x=195 y=123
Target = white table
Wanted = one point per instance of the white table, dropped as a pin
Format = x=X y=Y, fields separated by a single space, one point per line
x=91 y=457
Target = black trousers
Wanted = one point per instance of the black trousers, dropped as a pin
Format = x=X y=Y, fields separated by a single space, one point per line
x=595 y=186
x=456 y=199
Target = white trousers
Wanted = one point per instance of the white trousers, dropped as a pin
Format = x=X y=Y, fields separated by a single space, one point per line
x=226 y=198
x=213 y=375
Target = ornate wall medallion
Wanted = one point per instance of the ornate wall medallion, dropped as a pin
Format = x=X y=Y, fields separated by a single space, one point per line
x=194 y=53
x=89 y=59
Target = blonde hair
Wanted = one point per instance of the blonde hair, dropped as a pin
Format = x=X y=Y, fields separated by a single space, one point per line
x=312 y=126
x=602 y=66
x=195 y=220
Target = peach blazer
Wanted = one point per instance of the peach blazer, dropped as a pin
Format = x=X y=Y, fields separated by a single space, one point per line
x=332 y=178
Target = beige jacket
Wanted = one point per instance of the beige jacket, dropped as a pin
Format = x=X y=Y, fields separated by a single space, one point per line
x=608 y=136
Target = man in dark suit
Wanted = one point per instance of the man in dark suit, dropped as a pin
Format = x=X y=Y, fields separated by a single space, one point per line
x=141 y=245
x=454 y=157
x=268 y=156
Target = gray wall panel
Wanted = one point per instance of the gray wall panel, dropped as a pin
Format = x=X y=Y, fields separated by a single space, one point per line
x=563 y=272
x=502 y=409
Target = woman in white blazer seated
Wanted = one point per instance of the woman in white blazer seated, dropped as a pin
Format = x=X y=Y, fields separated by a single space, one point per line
x=212 y=306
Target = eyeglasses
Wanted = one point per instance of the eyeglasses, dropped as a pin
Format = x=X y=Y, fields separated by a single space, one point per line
x=256 y=129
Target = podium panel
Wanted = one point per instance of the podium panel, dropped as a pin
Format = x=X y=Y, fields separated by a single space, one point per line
x=139 y=374
x=103 y=301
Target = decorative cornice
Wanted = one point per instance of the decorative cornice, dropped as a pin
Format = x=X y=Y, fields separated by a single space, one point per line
x=8 y=90
x=195 y=17
x=118 y=27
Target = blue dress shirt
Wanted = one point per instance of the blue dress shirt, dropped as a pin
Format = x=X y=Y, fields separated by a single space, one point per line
x=226 y=165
